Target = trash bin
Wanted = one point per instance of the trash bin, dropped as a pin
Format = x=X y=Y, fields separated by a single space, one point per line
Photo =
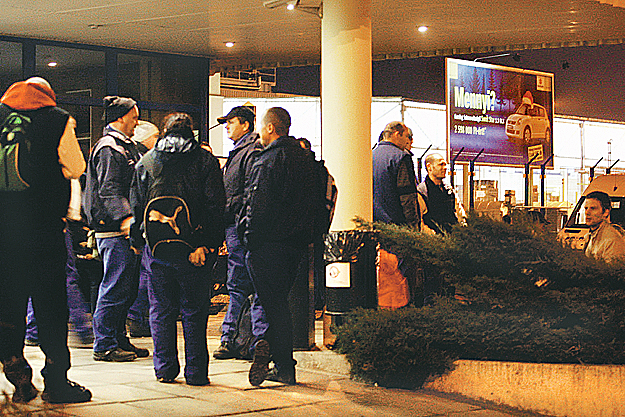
x=350 y=258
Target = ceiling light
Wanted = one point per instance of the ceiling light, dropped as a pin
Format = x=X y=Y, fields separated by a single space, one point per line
x=290 y=6
x=423 y=29
x=229 y=44
x=52 y=64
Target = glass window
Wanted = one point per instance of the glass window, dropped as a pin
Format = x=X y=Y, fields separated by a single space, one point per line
x=167 y=79
x=71 y=69
x=11 y=64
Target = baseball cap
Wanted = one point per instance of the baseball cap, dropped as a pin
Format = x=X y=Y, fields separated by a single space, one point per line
x=244 y=112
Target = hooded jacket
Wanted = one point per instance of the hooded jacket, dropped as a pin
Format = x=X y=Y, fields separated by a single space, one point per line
x=36 y=213
x=186 y=170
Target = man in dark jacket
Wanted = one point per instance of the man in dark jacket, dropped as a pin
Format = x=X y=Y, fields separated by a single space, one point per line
x=276 y=228
x=107 y=209
x=394 y=181
x=32 y=246
x=179 y=167
x=240 y=125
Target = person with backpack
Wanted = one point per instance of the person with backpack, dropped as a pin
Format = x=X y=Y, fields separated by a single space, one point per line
x=39 y=154
x=177 y=197
x=240 y=126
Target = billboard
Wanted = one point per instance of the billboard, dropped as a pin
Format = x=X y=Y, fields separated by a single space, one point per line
x=506 y=112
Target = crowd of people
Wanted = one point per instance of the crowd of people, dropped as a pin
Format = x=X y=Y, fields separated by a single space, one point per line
x=262 y=204
x=159 y=207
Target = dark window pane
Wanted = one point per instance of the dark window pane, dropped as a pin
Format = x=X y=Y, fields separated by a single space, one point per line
x=10 y=64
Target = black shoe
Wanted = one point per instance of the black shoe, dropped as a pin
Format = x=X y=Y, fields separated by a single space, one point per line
x=138 y=329
x=166 y=380
x=20 y=374
x=225 y=351
x=283 y=377
x=260 y=366
x=70 y=392
x=129 y=347
x=115 y=355
x=198 y=383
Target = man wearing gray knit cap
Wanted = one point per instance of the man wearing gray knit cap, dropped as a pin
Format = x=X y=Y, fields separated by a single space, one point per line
x=107 y=209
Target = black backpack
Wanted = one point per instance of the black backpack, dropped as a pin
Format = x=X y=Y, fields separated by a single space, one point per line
x=168 y=228
x=16 y=166
x=328 y=194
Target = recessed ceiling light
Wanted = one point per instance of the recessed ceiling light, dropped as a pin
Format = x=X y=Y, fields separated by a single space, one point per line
x=423 y=29
x=290 y=6
x=229 y=44
x=52 y=64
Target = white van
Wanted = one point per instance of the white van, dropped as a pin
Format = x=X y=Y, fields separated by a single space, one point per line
x=575 y=232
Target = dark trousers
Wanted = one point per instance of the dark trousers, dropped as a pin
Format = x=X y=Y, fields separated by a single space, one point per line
x=179 y=288
x=240 y=286
x=273 y=268
x=40 y=274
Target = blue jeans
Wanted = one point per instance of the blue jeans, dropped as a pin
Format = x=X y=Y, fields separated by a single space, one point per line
x=179 y=288
x=139 y=310
x=118 y=291
x=240 y=286
x=273 y=268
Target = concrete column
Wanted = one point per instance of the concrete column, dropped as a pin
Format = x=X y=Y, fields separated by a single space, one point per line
x=346 y=106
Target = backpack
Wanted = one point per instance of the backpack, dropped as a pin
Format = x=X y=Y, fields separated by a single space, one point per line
x=328 y=193
x=167 y=221
x=16 y=166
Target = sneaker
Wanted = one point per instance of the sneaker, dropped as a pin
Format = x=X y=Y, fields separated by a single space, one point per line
x=225 y=351
x=129 y=347
x=138 y=329
x=260 y=366
x=70 y=392
x=115 y=355
x=283 y=377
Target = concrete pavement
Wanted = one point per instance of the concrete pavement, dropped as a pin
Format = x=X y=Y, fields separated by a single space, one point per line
x=131 y=389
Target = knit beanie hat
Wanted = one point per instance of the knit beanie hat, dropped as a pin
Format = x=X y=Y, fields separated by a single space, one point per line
x=116 y=107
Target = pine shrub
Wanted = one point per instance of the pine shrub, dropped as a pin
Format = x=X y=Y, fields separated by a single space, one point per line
x=513 y=293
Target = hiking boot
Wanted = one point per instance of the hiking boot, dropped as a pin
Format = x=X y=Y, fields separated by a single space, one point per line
x=20 y=374
x=260 y=366
x=225 y=351
x=129 y=347
x=115 y=355
x=68 y=392
x=284 y=377
x=138 y=329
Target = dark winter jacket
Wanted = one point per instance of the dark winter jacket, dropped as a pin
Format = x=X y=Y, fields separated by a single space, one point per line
x=187 y=171
x=236 y=172
x=441 y=204
x=394 y=186
x=279 y=196
x=109 y=174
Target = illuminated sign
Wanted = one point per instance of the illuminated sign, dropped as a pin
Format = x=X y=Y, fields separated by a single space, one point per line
x=506 y=111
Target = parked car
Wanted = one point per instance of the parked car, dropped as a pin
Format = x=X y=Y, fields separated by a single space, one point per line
x=529 y=124
x=575 y=232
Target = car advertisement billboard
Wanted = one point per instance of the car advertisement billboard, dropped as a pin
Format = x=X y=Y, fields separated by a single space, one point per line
x=506 y=112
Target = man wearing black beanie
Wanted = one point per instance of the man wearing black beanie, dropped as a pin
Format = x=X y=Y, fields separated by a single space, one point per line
x=107 y=208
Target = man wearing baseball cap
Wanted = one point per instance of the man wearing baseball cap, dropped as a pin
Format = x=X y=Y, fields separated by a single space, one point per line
x=107 y=208
x=240 y=126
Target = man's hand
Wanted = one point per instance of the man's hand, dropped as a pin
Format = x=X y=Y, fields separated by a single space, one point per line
x=198 y=256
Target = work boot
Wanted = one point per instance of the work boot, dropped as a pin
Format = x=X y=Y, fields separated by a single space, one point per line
x=283 y=376
x=114 y=355
x=225 y=351
x=19 y=373
x=65 y=392
x=129 y=347
x=260 y=366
